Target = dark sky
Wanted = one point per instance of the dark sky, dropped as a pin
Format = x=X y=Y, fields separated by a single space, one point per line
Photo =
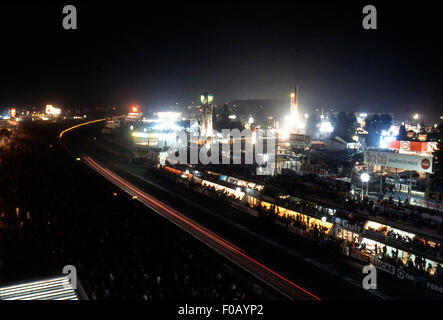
x=157 y=53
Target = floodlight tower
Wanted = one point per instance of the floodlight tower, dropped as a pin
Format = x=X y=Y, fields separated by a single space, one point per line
x=206 y=109
x=294 y=105
x=297 y=123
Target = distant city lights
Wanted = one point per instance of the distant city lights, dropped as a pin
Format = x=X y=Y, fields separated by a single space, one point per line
x=388 y=135
x=13 y=112
x=326 y=127
x=52 y=110
x=168 y=116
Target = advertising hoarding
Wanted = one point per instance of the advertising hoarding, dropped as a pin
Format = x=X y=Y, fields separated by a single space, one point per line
x=399 y=160
x=299 y=140
x=416 y=146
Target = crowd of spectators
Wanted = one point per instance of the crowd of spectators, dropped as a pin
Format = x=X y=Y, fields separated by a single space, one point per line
x=405 y=239
x=315 y=230
x=320 y=234
x=55 y=212
x=234 y=170
x=417 y=267
x=336 y=194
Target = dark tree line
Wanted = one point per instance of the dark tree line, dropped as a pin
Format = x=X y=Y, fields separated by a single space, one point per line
x=374 y=125
x=344 y=125
x=224 y=122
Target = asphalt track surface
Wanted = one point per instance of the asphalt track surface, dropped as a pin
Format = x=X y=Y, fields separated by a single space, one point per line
x=222 y=246
x=281 y=261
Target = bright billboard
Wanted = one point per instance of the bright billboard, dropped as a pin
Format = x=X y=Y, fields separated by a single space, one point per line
x=413 y=146
x=399 y=160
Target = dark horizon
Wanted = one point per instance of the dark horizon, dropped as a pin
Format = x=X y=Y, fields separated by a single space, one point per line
x=157 y=54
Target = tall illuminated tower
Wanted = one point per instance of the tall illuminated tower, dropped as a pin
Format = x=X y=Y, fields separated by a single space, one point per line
x=294 y=105
x=206 y=109
x=296 y=122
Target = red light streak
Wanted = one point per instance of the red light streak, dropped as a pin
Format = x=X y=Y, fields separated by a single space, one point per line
x=165 y=207
x=223 y=244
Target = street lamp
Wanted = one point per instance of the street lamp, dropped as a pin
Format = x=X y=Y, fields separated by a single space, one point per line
x=364 y=178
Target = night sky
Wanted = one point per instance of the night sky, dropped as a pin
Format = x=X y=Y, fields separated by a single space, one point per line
x=159 y=53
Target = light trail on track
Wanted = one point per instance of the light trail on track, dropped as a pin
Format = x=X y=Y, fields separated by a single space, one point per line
x=222 y=246
x=79 y=125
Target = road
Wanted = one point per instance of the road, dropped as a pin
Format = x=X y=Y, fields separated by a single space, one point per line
x=222 y=246
x=324 y=276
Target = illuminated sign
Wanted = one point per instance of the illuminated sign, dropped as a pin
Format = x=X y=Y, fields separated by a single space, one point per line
x=348 y=226
x=425 y=164
x=413 y=146
x=359 y=256
x=299 y=140
x=427 y=204
x=399 y=160
x=325 y=126
x=385 y=141
x=383 y=266
x=13 y=112
x=168 y=116
x=405 y=145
